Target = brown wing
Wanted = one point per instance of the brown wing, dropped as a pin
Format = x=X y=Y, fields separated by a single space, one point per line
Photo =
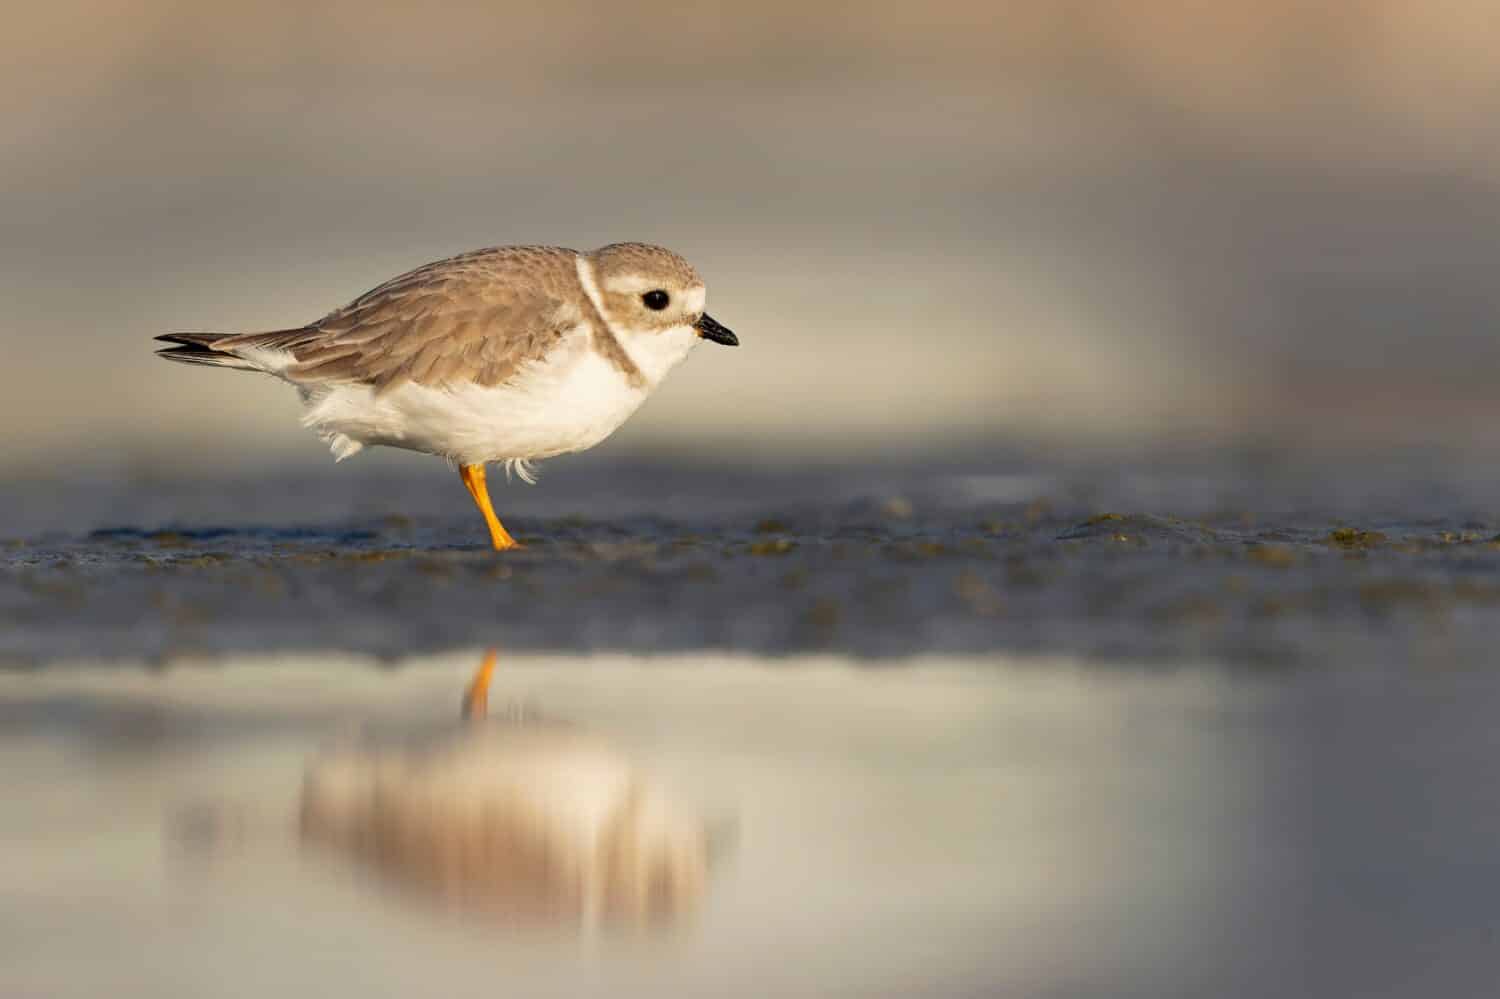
x=473 y=318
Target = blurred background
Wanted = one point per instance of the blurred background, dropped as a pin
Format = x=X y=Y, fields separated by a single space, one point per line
x=1081 y=222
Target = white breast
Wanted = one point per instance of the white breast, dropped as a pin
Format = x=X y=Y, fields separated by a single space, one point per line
x=570 y=401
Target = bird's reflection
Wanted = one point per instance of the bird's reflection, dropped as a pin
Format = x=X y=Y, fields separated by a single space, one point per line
x=530 y=820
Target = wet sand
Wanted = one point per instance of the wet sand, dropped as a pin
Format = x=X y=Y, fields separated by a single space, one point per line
x=1252 y=563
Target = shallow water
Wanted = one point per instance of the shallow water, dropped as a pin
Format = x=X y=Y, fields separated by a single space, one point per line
x=957 y=826
x=1221 y=729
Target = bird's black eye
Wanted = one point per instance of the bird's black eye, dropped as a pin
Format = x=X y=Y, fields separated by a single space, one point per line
x=656 y=300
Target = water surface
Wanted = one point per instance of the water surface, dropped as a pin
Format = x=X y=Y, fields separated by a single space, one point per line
x=958 y=826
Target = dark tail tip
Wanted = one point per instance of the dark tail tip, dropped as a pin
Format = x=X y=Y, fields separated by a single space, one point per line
x=197 y=348
x=200 y=341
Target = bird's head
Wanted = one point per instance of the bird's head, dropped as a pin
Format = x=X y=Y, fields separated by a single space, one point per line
x=649 y=289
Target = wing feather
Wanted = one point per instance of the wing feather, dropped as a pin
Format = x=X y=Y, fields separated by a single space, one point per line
x=479 y=317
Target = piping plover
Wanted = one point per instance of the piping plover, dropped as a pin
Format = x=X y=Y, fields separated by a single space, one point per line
x=508 y=354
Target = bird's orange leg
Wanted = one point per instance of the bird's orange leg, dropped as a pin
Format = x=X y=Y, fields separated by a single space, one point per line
x=473 y=476
x=477 y=697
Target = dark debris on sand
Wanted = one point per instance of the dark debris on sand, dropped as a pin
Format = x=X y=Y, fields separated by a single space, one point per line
x=880 y=566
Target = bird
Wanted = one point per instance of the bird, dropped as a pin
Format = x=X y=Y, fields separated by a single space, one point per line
x=508 y=354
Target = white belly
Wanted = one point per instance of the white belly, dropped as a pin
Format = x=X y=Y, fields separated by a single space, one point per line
x=570 y=402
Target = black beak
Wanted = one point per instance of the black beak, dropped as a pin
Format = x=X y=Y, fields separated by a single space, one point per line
x=708 y=329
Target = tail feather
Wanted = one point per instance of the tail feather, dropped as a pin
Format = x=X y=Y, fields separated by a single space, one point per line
x=198 y=348
x=219 y=349
x=193 y=339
